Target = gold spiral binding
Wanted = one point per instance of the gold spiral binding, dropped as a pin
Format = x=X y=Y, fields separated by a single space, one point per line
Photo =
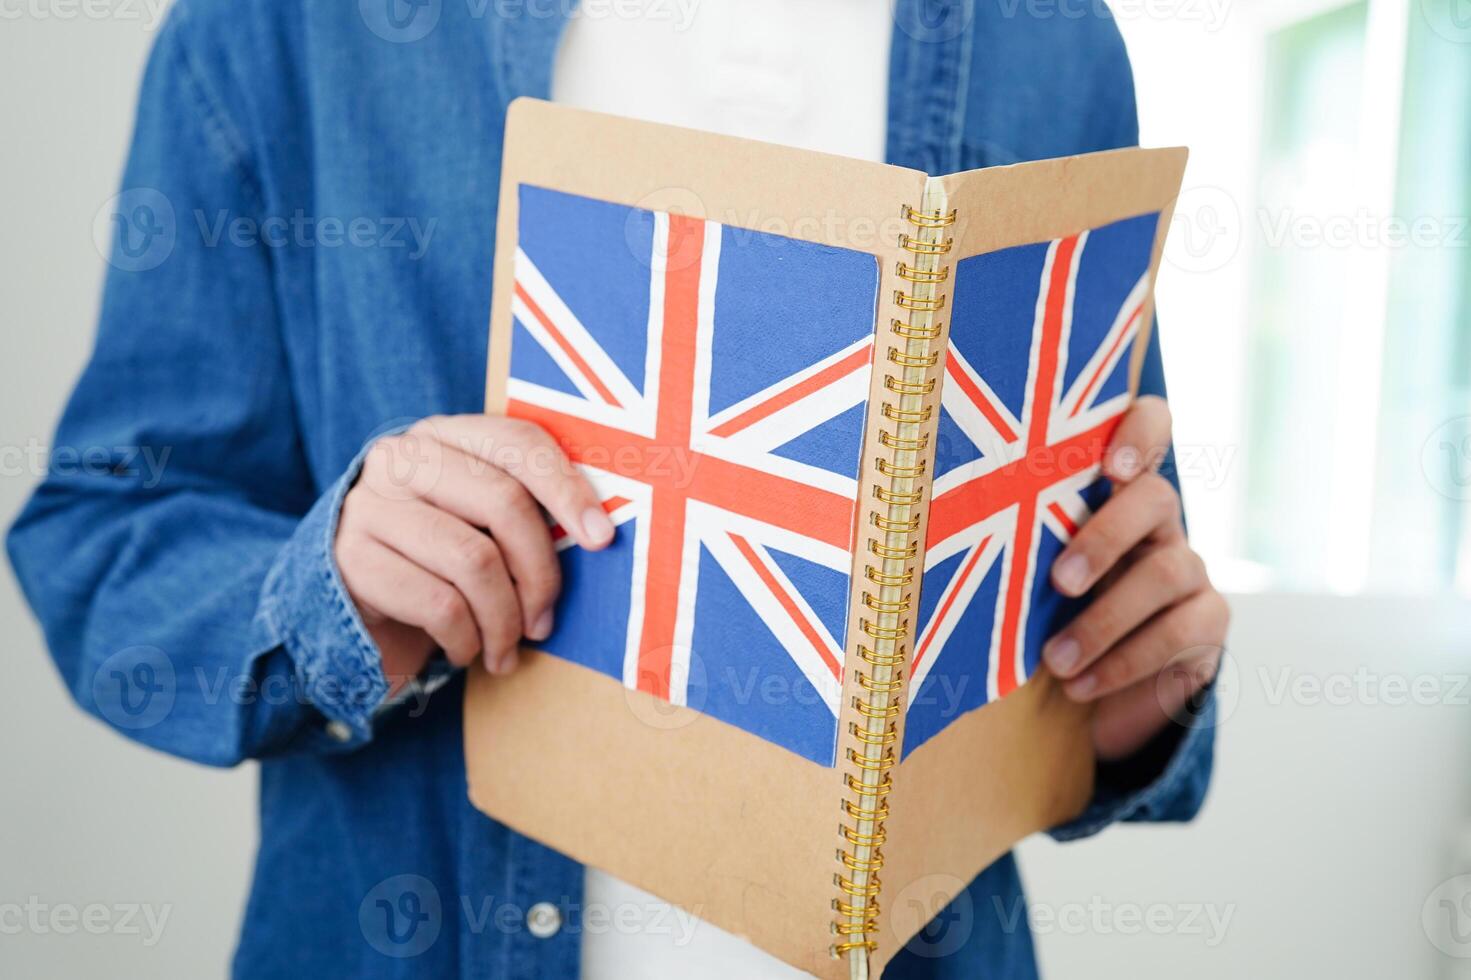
x=872 y=686
x=930 y=219
x=885 y=605
x=888 y=600
x=922 y=247
x=907 y=445
x=908 y=360
x=889 y=553
x=905 y=416
x=914 y=331
x=916 y=303
x=903 y=527
x=860 y=813
x=876 y=659
x=883 y=632
x=886 y=737
x=915 y=274
x=888 y=496
x=891 y=469
x=902 y=387
x=882 y=579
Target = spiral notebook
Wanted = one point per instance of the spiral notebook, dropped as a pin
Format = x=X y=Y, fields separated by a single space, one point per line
x=844 y=416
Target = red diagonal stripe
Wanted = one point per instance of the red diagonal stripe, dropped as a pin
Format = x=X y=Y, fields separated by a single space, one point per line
x=567 y=348
x=828 y=375
x=944 y=609
x=959 y=508
x=787 y=603
x=1064 y=518
x=978 y=398
x=1108 y=359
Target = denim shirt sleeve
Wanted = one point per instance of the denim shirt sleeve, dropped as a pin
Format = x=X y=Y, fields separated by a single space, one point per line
x=178 y=552
x=1168 y=778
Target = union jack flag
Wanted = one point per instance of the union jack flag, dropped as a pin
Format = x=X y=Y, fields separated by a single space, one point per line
x=1036 y=380
x=712 y=383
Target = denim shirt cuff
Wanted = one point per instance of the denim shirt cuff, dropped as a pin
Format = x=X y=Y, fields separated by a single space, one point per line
x=306 y=609
x=1165 y=781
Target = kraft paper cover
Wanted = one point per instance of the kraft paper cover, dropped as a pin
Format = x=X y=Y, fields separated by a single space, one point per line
x=738 y=822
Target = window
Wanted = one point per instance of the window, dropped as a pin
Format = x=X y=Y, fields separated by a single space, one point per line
x=1314 y=303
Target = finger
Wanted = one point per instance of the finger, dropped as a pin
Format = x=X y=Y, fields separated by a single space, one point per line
x=415 y=465
x=529 y=454
x=1141 y=441
x=481 y=495
x=400 y=590
x=465 y=557
x=1156 y=582
x=1147 y=507
x=1124 y=722
x=1197 y=623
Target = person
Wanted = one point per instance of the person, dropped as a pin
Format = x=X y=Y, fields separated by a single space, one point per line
x=282 y=587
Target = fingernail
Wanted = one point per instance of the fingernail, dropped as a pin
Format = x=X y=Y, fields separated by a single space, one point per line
x=1070 y=574
x=542 y=628
x=504 y=664
x=1126 y=463
x=597 y=526
x=1062 y=653
x=1081 y=688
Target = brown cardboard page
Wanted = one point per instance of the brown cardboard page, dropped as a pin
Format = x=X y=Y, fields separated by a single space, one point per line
x=963 y=799
x=1025 y=763
x=702 y=814
x=736 y=830
x=740 y=832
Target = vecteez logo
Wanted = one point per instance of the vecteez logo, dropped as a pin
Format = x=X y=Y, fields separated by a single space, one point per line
x=1451 y=19
x=401 y=21
x=1446 y=917
x=135 y=231
x=1205 y=231
x=401 y=916
x=934 y=21
x=940 y=925
x=134 y=689
x=1445 y=458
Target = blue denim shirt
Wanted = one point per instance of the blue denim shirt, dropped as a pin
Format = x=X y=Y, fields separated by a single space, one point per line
x=303 y=261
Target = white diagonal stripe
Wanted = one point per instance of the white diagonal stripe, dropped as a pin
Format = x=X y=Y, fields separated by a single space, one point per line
x=530 y=278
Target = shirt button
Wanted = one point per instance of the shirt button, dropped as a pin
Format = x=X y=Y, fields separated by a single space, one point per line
x=338 y=731
x=543 y=920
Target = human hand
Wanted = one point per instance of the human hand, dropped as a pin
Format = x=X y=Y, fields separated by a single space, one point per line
x=442 y=542
x=1152 y=609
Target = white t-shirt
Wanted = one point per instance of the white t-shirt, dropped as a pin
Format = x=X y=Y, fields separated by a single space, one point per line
x=808 y=73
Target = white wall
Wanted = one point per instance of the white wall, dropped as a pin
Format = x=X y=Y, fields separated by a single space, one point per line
x=1340 y=803
x=1328 y=827
x=85 y=817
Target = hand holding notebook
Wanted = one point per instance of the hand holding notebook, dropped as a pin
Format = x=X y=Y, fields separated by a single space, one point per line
x=844 y=416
